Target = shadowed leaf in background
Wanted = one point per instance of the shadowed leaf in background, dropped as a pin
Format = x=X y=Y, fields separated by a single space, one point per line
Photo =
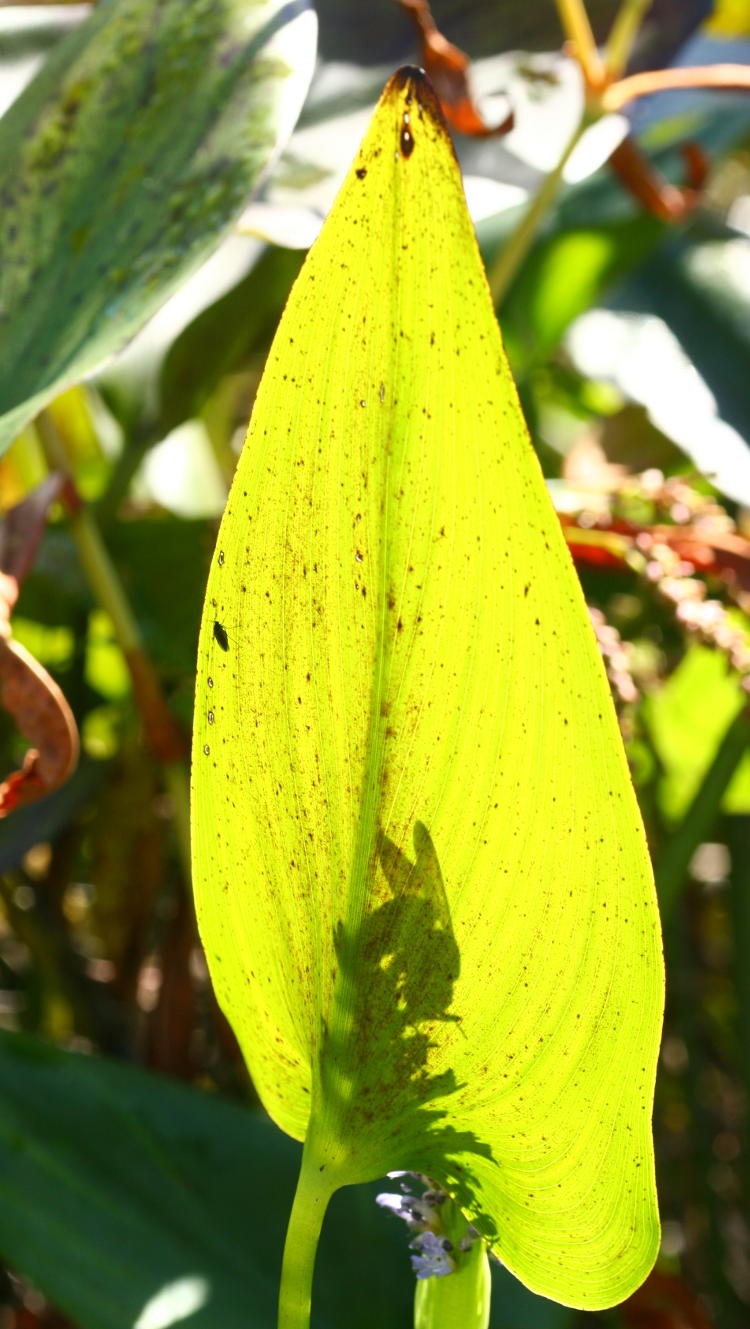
x=421 y=877
x=122 y=1187
x=123 y=164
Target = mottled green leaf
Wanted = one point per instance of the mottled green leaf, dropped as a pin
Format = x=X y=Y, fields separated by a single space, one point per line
x=421 y=877
x=121 y=166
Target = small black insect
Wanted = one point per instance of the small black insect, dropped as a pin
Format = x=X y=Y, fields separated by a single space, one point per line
x=220 y=636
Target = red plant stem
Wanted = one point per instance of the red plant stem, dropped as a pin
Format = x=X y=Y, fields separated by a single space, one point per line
x=668 y=202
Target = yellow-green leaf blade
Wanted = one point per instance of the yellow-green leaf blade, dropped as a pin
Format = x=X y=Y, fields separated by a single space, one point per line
x=421 y=876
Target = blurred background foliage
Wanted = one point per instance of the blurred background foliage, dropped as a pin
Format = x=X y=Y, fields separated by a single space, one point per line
x=129 y=1198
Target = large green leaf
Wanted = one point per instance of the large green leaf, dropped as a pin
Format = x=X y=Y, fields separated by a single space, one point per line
x=224 y=336
x=121 y=166
x=564 y=275
x=421 y=876
x=686 y=721
x=127 y=1196
x=700 y=287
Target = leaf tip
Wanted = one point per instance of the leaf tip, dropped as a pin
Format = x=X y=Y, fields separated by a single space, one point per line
x=411 y=84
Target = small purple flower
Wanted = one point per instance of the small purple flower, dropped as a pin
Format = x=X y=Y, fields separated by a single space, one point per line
x=393 y=1202
x=425 y=1216
x=432 y=1258
x=419 y=1211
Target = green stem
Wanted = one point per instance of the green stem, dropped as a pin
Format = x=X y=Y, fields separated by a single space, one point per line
x=577 y=28
x=575 y=22
x=140 y=441
x=314 y=1189
x=460 y=1300
x=619 y=546
x=97 y=565
x=511 y=256
x=674 y=860
x=623 y=34
x=102 y=576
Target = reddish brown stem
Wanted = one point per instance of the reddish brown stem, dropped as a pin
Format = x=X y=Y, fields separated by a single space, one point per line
x=668 y=202
x=447 y=67
x=43 y=716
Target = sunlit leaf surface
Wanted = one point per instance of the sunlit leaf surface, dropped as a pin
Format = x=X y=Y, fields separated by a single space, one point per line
x=121 y=166
x=421 y=877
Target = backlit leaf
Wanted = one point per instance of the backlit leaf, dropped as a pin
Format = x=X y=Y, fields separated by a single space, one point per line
x=121 y=166
x=421 y=876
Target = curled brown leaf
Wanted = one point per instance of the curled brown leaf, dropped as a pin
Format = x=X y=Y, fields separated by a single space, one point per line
x=447 y=68
x=43 y=716
x=668 y=202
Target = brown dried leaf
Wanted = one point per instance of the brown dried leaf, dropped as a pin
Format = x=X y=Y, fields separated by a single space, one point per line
x=668 y=202
x=23 y=526
x=446 y=67
x=43 y=716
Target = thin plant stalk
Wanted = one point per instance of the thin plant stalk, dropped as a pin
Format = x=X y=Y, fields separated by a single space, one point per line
x=577 y=28
x=623 y=34
x=575 y=22
x=103 y=579
x=503 y=271
x=314 y=1190
x=619 y=546
x=102 y=576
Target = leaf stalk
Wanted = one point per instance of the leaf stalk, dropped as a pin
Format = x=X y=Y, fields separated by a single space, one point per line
x=576 y=24
x=623 y=35
x=315 y=1186
x=460 y=1300
x=162 y=731
x=503 y=271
